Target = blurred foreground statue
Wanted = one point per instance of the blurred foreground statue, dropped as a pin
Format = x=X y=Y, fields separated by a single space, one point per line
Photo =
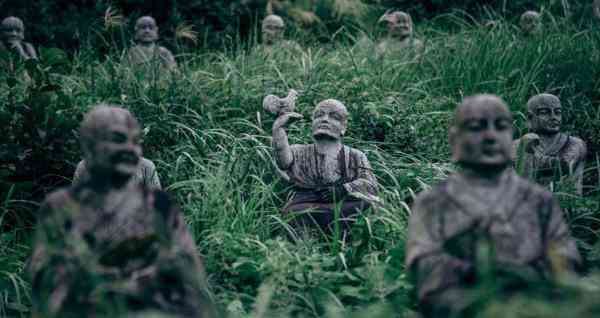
x=400 y=38
x=325 y=174
x=108 y=246
x=273 y=28
x=147 y=51
x=545 y=153
x=484 y=221
x=531 y=23
x=13 y=33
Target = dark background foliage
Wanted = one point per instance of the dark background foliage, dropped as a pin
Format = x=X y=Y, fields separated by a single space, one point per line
x=71 y=24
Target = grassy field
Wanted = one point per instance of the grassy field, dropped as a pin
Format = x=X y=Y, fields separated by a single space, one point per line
x=207 y=133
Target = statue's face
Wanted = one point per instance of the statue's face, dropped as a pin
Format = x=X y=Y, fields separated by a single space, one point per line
x=531 y=22
x=146 y=30
x=482 y=133
x=545 y=117
x=329 y=121
x=400 y=26
x=272 y=29
x=13 y=30
x=115 y=149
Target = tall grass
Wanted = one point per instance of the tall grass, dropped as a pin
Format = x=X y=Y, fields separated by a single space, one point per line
x=206 y=132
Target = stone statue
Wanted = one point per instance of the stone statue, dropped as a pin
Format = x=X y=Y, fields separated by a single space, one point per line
x=531 y=23
x=596 y=8
x=483 y=209
x=145 y=175
x=547 y=154
x=400 y=36
x=146 y=49
x=324 y=174
x=272 y=35
x=106 y=245
x=13 y=33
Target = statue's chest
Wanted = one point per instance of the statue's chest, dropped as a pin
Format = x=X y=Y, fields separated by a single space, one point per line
x=116 y=220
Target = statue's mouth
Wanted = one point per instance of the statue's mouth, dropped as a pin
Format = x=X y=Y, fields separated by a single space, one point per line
x=126 y=157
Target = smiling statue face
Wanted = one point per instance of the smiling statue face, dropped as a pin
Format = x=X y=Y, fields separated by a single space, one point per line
x=399 y=24
x=146 y=30
x=13 y=30
x=481 y=135
x=272 y=29
x=330 y=118
x=111 y=142
x=544 y=114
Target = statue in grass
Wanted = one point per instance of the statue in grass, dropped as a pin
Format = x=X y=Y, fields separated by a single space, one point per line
x=484 y=220
x=531 y=23
x=273 y=28
x=13 y=33
x=596 y=8
x=400 y=37
x=108 y=246
x=326 y=175
x=544 y=154
x=145 y=175
x=147 y=51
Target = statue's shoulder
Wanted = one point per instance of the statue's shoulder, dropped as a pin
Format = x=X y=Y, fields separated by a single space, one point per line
x=435 y=198
x=354 y=152
x=148 y=164
x=164 y=51
x=577 y=142
x=529 y=189
x=57 y=201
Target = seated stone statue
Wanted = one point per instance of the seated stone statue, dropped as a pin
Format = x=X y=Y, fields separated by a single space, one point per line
x=147 y=51
x=546 y=153
x=273 y=28
x=145 y=175
x=400 y=38
x=326 y=173
x=13 y=33
x=531 y=23
x=110 y=247
x=484 y=206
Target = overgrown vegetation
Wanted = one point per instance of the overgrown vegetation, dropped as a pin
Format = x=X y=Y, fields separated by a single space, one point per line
x=206 y=132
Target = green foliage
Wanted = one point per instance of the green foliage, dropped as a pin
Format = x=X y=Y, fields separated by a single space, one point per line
x=205 y=129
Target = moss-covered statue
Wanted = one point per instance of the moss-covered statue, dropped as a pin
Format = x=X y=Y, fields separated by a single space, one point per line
x=147 y=51
x=110 y=247
x=531 y=23
x=273 y=41
x=325 y=174
x=400 y=38
x=546 y=155
x=13 y=34
x=484 y=219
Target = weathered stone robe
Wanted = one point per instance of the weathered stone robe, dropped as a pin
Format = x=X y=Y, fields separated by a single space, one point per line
x=309 y=176
x=391 y=47
x=520 y=222
x=146 y=174
x=566 y=157
x=139 y=55
x=25 y=50
x=132 y=252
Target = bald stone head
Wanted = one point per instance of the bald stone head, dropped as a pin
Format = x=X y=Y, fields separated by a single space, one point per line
x=544 y=114
x=110 y=140
x=399 y=24
x=272 y=29
x=146 y=30
x=531 y=22
x=13 y=30
x=329 y=120
x=481 y=134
